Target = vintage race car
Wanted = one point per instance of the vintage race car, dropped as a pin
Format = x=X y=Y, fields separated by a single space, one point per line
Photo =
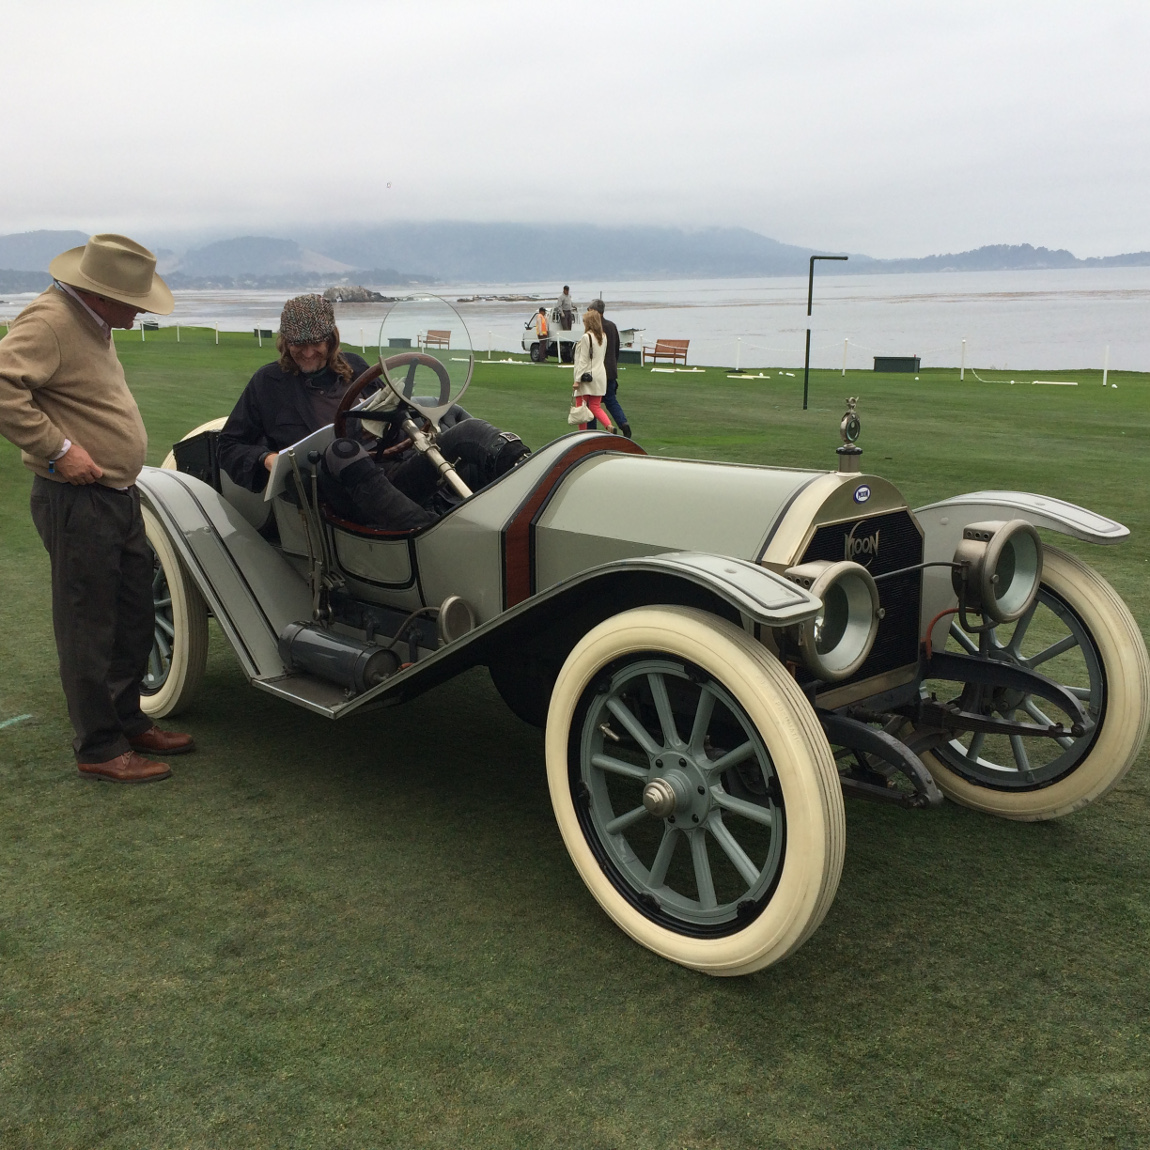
x=717 y=652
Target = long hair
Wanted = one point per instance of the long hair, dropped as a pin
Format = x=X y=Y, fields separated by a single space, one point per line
x=593 y=322
x=335 y=359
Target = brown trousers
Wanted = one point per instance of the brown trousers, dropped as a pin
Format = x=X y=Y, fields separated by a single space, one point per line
x=102 y=610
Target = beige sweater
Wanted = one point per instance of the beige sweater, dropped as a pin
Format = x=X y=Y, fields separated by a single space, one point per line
x=60 y=378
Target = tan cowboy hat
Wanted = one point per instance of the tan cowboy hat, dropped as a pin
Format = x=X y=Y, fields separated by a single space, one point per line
x=116 y=267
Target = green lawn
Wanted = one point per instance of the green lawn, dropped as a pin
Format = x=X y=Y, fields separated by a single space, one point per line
x=368 y=933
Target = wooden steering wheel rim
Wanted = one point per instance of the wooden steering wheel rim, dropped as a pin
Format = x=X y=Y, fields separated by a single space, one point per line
x=351 y=396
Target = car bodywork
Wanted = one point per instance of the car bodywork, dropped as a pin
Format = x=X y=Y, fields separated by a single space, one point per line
x=651 y=613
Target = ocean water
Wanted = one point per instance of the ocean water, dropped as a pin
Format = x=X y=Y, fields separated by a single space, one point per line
x=1033 y=320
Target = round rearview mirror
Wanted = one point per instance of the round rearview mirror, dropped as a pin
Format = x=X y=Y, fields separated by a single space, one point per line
x=425 y=350
x=836 y=642
x=1003 y=568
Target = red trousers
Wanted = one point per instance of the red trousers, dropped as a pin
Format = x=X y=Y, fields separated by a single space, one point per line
x=595 y=404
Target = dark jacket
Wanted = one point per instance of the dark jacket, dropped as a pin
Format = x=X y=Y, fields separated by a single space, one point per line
x=274 y=411
x=611 y=362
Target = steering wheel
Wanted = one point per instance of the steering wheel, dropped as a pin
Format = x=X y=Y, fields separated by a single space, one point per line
x=411 y=358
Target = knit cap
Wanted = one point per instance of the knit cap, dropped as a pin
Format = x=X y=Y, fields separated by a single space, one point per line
x=307 y=319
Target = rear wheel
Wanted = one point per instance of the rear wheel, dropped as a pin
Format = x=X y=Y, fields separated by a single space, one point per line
x=538 y=352
x=1080 y=634
x=180 y=644
x=694 y=789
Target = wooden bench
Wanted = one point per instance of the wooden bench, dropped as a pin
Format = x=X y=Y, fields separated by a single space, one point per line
x=437 y=339
x=672 y=349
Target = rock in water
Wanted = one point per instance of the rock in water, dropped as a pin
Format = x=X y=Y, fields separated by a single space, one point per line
x=347 y=294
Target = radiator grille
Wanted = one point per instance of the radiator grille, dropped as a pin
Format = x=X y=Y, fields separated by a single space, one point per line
x=898 y=545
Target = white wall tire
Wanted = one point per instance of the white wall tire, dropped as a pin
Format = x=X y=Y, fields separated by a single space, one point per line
x=169 y=463
x=1106 y=664
x=790 y=825
x=180 y=647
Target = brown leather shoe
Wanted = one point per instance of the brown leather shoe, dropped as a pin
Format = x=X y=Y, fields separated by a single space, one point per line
x=157 y=742
x=126 y=768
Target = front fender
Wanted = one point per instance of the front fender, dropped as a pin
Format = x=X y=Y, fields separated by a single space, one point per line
x=942 y=525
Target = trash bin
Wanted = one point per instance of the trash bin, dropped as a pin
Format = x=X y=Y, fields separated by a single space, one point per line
x=897 y=363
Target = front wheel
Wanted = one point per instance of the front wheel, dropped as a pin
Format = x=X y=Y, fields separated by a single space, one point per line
x=1080 y=634
x=694 y=789
x=180 y=644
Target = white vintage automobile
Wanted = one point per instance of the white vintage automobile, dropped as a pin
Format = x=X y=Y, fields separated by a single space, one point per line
x=717 y=652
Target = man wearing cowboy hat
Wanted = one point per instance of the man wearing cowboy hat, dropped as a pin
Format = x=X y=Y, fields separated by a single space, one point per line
x=65 y=403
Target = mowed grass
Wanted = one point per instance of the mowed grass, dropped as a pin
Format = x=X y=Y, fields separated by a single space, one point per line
x=369 y=934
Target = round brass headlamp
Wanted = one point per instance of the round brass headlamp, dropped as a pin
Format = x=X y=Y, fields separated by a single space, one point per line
x=835 y=643
x=998 y=568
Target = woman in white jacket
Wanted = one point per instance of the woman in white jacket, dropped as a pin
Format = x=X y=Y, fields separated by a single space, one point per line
x=590 y=372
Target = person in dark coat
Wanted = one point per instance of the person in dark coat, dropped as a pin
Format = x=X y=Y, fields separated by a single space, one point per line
x=610 y=400
x=301 y=392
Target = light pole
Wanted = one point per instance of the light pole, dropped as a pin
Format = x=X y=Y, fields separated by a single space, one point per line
x=810 y=296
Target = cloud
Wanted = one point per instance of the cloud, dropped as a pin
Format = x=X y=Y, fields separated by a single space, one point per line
x=896 y=128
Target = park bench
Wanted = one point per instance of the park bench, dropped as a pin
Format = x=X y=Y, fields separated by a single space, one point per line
x=672 y=349
x=437 y=339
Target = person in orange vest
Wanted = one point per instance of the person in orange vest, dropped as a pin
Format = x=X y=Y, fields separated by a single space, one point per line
x=541 y=332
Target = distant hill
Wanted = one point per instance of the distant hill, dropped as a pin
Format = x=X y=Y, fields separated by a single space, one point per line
x=1002 y=257
x=506 y=253
x=509 y=253
x=34 y=251
x=256 y=256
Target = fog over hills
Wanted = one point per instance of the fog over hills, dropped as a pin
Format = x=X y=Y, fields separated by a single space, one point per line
x=507 y=253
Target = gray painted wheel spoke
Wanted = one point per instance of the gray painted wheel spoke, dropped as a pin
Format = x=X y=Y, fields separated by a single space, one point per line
x=739 y=859
x=1079 y=692
x=1039 y=716
x=164 y=625
x=1054 y=649
x=622 y=822
x=155 y=666
x=963 y=639
x=731 y=758
x=160 y=604
x=762 y=815
x=1021 y=758
x=1020 y=631
x=634 y=728
x=618 y=767
x=702 y=721
x=663 y=856
x=703 y=879
x=161 y=644
x=658 y=687
x=976 y=745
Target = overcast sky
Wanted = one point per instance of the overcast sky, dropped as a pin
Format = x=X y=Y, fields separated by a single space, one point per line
x=891 y=128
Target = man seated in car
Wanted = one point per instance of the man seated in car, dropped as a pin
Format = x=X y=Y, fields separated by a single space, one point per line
x=300 y=393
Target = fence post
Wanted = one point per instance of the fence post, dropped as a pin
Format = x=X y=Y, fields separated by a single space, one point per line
x=488 y=343
x=177 y=333
x=143 y=338
x=1105 y=364
x=738 y=352
x=260 y=334
x=845 y=342
x=962 y=369
x=217 y=333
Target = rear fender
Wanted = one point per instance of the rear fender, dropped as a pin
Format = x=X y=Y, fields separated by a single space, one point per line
x=251 y=589
x=942 y=525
